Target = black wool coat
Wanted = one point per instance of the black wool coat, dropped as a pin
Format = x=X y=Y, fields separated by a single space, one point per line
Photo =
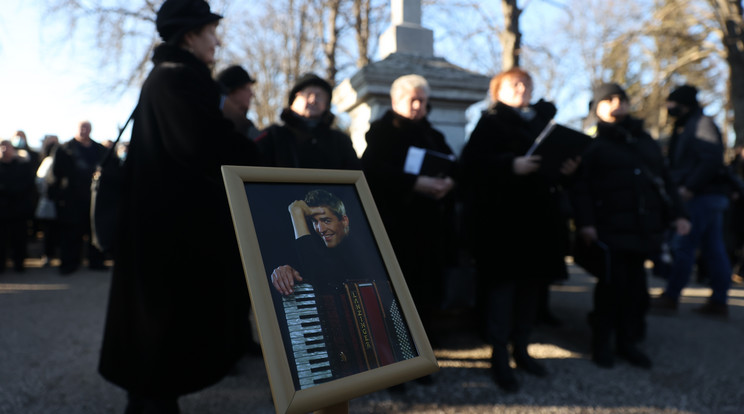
x=16 y=190
x=73 y=174
x=515 y=226
x=299 y=144
x=615 y=190
x=420 y=228
x=178 y=290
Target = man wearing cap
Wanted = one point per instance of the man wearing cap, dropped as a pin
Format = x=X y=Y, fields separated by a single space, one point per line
x=237 y=85
x=695 y=159
x=306 y=139
x=621 y=203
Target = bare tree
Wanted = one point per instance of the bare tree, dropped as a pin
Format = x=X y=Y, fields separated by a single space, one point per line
x=362 y=10
x=728 y=14
x=510 y=37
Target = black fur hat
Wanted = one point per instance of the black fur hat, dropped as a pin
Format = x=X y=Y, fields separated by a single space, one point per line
x=176 y=17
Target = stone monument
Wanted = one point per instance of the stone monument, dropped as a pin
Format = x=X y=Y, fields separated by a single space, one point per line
x=406 y=47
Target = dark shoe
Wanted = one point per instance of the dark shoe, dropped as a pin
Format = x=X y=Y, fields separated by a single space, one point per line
x=530 y=365
x=603 y=358
x=602 y=354
x=505 y=379
x=664 y=304
x=713 y=309
x=501 y=372
x=634 y=356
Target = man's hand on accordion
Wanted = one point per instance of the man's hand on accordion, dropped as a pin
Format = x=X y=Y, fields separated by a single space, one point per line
x=283 y=278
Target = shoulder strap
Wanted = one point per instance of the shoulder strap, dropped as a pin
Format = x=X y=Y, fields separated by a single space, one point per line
x=109 y=151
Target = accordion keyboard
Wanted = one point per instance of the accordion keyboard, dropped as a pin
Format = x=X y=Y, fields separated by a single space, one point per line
x=306 y=335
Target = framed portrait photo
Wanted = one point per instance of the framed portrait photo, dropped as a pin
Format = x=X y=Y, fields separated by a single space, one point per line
x=332 y=309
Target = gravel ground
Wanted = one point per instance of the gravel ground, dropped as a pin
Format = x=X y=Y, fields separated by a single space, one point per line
x=50 y=333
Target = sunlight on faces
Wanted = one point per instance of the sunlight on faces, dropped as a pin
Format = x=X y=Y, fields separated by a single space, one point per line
x=84 y=129
x=613 y=109
x=329 y=227
x=410 y=103
x=515 y=91
x=310 y=102
x=203 y=43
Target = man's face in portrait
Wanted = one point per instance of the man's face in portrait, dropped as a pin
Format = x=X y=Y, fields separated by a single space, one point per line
x=329 y=227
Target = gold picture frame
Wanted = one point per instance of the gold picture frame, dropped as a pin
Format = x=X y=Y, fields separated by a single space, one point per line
x=259 y=198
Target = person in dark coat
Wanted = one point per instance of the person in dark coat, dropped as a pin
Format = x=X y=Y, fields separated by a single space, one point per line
x=174 y=317
x=695 y=161
x=416 y=207
x=516 y=231
x=74 y=164
x=17 y=190
x=237 y=85
x=307 y=139
x=623 y=198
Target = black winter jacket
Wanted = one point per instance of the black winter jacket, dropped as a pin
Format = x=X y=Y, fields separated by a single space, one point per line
x=298 y=144
x=617 y=188
x=696 y=155
x=420 y=228
x=514 y=223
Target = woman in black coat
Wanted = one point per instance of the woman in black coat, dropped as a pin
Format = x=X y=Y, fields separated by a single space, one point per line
x=516 y=230
x=623 y=198
x=174 y=315
x=417 y=209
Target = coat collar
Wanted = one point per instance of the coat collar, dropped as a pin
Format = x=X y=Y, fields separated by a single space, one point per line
x=166 y=53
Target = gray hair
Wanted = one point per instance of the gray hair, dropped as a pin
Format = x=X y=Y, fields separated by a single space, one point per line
x=410 y=82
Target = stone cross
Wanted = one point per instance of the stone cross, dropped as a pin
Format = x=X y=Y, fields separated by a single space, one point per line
x=402 y=12
x=406 y=35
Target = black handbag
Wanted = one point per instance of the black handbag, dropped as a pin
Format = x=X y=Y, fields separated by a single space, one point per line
x=105 y=194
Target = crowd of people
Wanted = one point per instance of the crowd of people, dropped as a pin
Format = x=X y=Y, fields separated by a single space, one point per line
x=177 y=315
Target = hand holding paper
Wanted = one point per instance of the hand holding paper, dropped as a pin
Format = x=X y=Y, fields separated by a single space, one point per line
x=526 y=165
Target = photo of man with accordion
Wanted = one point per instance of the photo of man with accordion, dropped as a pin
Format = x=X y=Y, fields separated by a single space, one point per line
x=342 y=315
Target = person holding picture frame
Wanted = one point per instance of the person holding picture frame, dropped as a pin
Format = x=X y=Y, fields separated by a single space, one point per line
x=178 y=298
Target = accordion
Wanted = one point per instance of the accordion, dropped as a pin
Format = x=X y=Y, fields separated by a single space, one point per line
x=356 y=328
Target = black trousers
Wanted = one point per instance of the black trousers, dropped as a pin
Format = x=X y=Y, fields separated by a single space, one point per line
x=72 y=237
x=512 y=308
x=622 y=300
x=13 y=237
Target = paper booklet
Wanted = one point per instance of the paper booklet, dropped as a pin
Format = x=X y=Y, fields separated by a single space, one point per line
x=420 y=161
x=555 y=144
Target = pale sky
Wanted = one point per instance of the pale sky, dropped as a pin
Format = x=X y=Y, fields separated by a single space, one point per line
x=43 y=88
